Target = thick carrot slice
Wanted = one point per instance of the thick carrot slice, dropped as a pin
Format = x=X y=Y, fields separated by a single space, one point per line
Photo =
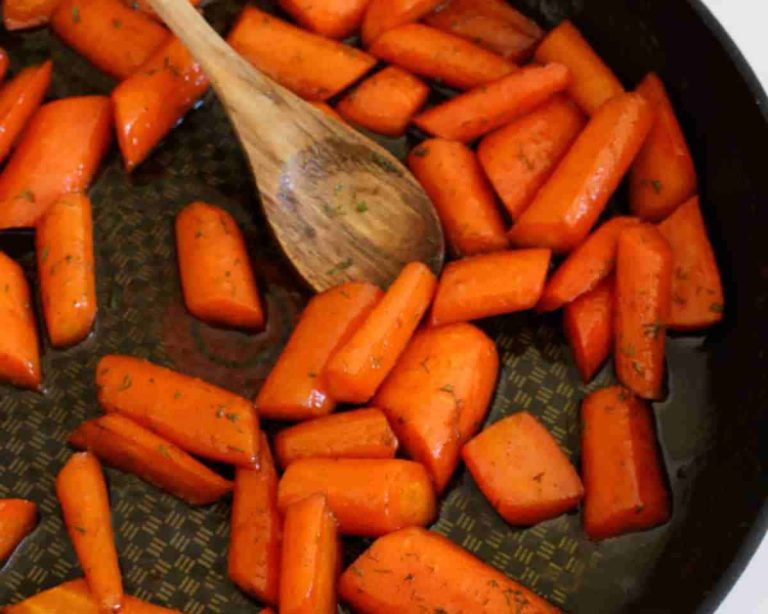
x=663 y=176
x=369 y=497
x=623 y=478
x=452 y=178
x=358 y=367
x=82 y=492
x=438 y=55
x=385 y=102
x=253 y=561
x=150 y=102
x=588 y=323
x=332 y=18
x=438 y=393
x=59 y=152
x=327 y=109
x=198 y=417
x=490 y=285
x=520 y=157
x=296 y=388
x=216 y=275
x=120 y=442
x=17 y=519
x=19 y=99
x=491 y=106
x=568 y=205
x=592 y=81
x=643 y=300
x=313 y=67
x=383 y=15
x=21 y=14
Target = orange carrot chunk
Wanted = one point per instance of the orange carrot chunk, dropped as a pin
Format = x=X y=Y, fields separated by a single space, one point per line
x=17 y=519
x=369 y=497
x=331 y=18
x=568 y=205
x=198 y=417
x=452 y=178
x=588 y=323
x=384 y=15
x=623 y=479
x=19 y=99
x=663 y=176
x=22 y=14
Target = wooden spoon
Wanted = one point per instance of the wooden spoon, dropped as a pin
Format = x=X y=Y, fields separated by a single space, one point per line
x=340 y=205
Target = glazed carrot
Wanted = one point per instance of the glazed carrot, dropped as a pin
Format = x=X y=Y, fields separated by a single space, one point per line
x=643 y=300
x=438 y=393
x=216 y=276
x=198 y=417
x=383 y=15
x=150 y=102
x=369 y=497
x=588 y=323
x=333 y=19
x=66 y=270
x=623 y=479
x=19 y=99
x=358 y=367
x=17 y=519
x=491 y=106
x=121 y=443
x=569 y=203
x=452 y=178
x=327 y=109
x=489 y=285
x=385 y=102
x=592 y=81
x=296 y=388
x=59 y=152
x=253 y=561
x=520 y=157
x=697 y=292
x=82 y=492
x=415 y=570
x=21 y=14
x=438 y=55
x=313 y=67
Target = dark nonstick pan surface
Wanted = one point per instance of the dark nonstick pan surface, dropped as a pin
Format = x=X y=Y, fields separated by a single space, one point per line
x=712 y=428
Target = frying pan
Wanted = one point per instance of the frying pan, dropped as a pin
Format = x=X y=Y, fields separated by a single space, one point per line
x=712 y=428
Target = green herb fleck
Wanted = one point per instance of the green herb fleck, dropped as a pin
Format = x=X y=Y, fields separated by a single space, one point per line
x=623 y=396
x=332 y=211
x=638 y=367
x=384 y=163
x=163 y=449
x=521 y=155
x=409 y=578
x=68 y=258
x=235 y=449
x=681 y=273
x=125 y=384
x=423 y=364
x=177 y=394
x=655 y=184
x=717 y=307
x=538 y=477
x=361 y=206
x=75 y=14
x=312 y=374
x=80 y=529
x=447 y=388
x=628 y=350
x=677 y=299
x=44 y=254
x=652 y=330
x=356 y=570
x=233 y=417
x=340 y=266
x=337 y=189
x=116 y=23
x=27 y=195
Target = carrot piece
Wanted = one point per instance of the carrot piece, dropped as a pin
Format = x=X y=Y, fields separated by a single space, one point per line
x=588 y=323
x=452 y=178
x=311 y=66
x=593 y=82
x=438 y=55
x=59 y=152
x=253 y=561
x=5 y=61
x=383 y=15
x=414 y=570
x=519 y=158
x=296 y=388
x=216 y=276
x=368 y=496
x=623 y=478
x=489 y=285
x=17 y=519
x=150 y=102
x=19 y=99
x=358 y=367
x=198 y=417
x=568 y=205
x=82 y=492
x=332 y=18
x=327 y=109
x=121 y=443
x=22 y=14
x=643 y=300
x=438 y=393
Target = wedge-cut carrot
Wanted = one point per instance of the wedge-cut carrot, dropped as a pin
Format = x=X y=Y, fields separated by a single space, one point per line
x=313 y=67
x=441 y=56
x=22 y=14
x=452 y=178
x=568 y=205
x=490 y=285
x=358 y=367
x=415 y=570
x=623 y=478
x=19 y=99
x=520 y=157
x=383 y=15
x=17 y=519
x=198 y=417
x=642 y=307
x=82 y=492
x=150 y=102
x=333 y=19
x=124 y=444
x=59 y=152
x=385 y=102
x=592 y=81
x=327 y=109
x=369 y=497
x=253 y=561
x=491 y=106
x=296 y=388
x=663 y=176
x=588 y=323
